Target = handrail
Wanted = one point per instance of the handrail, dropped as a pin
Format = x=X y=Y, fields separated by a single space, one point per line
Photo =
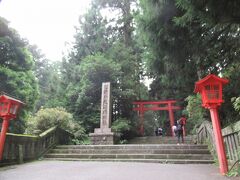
x=20 y=147
x=231 y=137
x=45 y=133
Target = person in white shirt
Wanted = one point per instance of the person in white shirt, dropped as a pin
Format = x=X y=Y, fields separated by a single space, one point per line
x=174 y=130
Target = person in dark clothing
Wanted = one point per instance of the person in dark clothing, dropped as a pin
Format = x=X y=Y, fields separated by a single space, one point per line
x=180 y=131
x=160 y=131
x=156 y=131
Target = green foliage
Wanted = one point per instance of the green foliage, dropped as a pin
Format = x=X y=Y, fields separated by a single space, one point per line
x=229 y=111
x=236 y=103
x=83 y=141
x=175 y=42
x=149 y=124
x=104 y=51
x=86 y=95
x=235 y=172
x=16 y=72
x=208 y=12
x=121 y=125
x=124 y=22
x=129 y=87
x=167 y=46
x=124 y=141
x=195 y=112
x=50 y=117
x=212 y=151
x=49 y=76
x=214 y=27
x=186 y=40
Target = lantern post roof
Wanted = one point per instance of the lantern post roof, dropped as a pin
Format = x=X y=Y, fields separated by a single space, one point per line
x=6 y=97
x=211 y=78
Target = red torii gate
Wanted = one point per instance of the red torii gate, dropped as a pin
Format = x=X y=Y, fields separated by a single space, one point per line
x=143 y=106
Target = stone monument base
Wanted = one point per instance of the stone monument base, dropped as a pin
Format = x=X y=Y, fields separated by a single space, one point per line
x=102 y=138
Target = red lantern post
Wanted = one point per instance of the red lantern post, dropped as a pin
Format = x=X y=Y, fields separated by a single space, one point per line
x=8 y=110
x=210 y=89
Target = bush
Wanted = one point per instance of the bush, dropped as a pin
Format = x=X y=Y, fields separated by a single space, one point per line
x=46 y=118
x=195 y=112
x=236 y=103
x=121 y=125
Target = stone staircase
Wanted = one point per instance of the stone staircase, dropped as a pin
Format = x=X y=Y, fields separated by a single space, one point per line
x=154 y=153
x=160 y=140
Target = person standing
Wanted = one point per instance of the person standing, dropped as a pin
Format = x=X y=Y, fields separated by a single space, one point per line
x=156 y=131
x=174 y=130
x=160 y=131
x=180 y=131
x=183 y=121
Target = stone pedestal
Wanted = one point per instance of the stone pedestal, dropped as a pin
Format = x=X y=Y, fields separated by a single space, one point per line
x=102 y=138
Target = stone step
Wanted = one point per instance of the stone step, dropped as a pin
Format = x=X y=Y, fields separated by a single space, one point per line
x=135 y=146
x=130 y=151
x=155 y=153
x=163 y=161
x=159 y=140
x=162 y=137
x=132 y=156
x=154 y=142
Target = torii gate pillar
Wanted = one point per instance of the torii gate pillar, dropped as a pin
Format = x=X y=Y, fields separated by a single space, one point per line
x=171 y=117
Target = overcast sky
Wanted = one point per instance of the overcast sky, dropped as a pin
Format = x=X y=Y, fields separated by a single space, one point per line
x=46 y=23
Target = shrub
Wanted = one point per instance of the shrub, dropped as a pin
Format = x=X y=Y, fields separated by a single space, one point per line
x=195 y=112
x=236 y=103
x=46 y=118
x=121 y=125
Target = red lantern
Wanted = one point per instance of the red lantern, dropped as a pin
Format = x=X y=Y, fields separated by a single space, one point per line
x=8 y=110
x=9 y=106
x=210 y=89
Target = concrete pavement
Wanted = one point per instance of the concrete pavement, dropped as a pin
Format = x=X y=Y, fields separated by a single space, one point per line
x=76 y=170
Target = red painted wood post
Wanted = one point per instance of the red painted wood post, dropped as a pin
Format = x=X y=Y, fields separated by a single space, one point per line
x=171 y=117
x=141 y=120
x=3 y=135
x=223 y=164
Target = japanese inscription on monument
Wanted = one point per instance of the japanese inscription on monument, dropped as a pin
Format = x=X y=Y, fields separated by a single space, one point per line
x=105 y=106
x=104 y=135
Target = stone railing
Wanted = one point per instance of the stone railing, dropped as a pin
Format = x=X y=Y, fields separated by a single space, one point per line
x=231 y=137
x=22 y=148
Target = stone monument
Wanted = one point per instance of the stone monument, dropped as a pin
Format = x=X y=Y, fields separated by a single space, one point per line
x=104 y=135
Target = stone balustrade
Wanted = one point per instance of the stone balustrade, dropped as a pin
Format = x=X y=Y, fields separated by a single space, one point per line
x=21 y=148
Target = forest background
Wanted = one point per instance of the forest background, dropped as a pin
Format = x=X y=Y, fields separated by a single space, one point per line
x=173 y=43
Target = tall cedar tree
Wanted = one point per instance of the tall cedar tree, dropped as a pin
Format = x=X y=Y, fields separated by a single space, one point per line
x=191 y=37
x=16 y=72
x=99 y=40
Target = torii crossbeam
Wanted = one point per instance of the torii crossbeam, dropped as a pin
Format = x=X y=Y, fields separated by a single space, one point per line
x=166 y=105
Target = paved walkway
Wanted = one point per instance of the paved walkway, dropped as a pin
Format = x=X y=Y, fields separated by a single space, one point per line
x=66 y=170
